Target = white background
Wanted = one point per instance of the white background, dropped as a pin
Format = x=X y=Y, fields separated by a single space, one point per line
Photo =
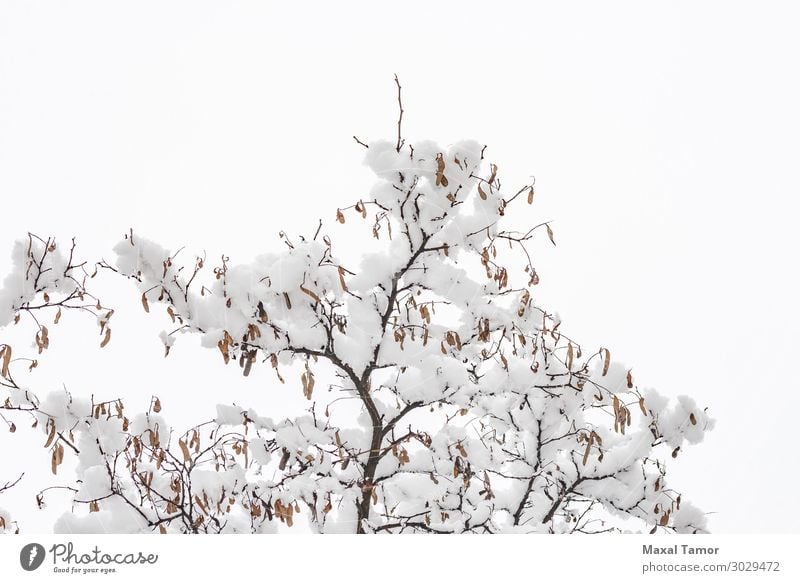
x=663 y=137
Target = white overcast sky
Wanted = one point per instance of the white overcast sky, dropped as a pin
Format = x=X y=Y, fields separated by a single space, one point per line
x=663 y=137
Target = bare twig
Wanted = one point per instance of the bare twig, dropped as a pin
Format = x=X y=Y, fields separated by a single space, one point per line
x=9 y=485
x=400 y=140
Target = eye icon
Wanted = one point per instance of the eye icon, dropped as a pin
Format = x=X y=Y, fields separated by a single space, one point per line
x=32 y=556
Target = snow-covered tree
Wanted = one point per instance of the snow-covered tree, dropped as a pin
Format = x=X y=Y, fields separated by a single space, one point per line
x=441 y=398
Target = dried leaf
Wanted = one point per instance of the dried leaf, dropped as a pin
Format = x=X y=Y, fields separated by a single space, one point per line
x=52 y=435
x=106 y=338
x=441 y=179
x=248 y=364
x=6 y=352
x=187 y=456
x=307 y=378
x=262 y=313
x=57 y=458
x=309 y=293
x=145 y=305
x=493 y=168
x=223 y=348
x=550 y=234
x=606 y=360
